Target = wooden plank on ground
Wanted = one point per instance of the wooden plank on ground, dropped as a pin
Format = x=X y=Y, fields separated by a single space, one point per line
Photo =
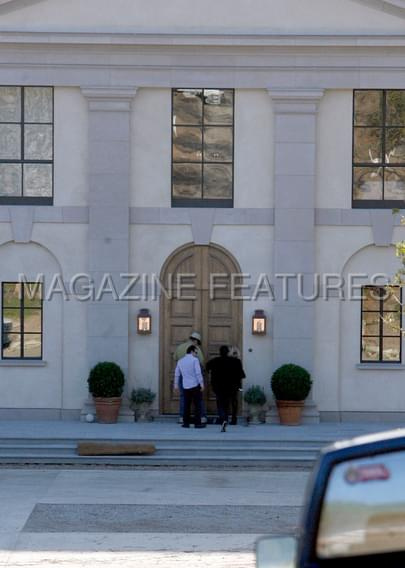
x=114 y=449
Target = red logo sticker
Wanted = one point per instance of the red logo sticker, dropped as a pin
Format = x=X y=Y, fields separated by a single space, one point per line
x=372 y=472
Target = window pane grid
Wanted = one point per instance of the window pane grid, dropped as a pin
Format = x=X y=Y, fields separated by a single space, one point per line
x=29 y=176
x=21 y=334
x=378 y=173
x=213 y=180
x=384 y=346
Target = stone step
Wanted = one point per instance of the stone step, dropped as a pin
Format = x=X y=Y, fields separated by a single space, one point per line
x=181 y=448
x=219 y=440
x=168 y=452
x=209 y=460
x=162 y=451
x=167 y=448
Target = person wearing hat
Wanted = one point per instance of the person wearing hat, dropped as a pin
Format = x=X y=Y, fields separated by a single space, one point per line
x=181 y=350
x=194 y=339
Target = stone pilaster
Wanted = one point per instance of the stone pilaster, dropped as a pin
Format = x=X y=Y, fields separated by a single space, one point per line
x=109 y=120
x=294 y=228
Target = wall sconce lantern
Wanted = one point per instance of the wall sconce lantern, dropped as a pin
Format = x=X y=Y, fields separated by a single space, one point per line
x=259 y=323
x=144 y=322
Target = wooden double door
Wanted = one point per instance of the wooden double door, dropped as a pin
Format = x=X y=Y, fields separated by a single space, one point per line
x=201 y=280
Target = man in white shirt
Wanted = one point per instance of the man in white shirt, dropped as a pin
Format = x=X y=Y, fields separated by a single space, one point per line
x=181 y=351
x=189 y=369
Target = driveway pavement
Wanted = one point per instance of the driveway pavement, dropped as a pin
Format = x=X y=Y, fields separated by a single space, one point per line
x=132 y=518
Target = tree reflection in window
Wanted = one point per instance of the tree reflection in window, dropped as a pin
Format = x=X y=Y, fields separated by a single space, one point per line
x=378 y=148
x=21 y=319
x=381 y=324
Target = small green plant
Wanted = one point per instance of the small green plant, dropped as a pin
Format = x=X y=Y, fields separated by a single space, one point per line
x=141 y=396
x=255 y=395
x=291 y=382
x=106 y=380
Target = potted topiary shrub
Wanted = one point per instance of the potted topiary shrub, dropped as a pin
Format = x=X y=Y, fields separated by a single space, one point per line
x=255 y=398
x=290 y=385
x=106 y=383
x=142 y=399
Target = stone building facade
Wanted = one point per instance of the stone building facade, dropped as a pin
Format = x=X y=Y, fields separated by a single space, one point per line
x=285 y=171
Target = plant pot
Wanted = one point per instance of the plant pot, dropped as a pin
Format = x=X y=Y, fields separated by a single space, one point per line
x=290 y=411
x=107 y=409
x=254 y=413
x=142 y=412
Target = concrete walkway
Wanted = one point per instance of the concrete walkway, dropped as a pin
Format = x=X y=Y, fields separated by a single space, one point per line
x=326 y=431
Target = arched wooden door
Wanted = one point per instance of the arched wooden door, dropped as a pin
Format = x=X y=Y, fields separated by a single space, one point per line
x=211 y=312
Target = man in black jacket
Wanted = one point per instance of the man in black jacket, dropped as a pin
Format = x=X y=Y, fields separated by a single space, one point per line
x=225 y=374
x=240 y=374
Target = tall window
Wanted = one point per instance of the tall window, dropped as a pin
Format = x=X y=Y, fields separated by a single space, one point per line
x=381 y=324
x=26 y=145
x=202 y=147
x=379 y=148
x=21 y=318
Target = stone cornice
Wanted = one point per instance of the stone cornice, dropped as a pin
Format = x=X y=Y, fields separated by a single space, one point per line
x=209 y=39
x=164 y=61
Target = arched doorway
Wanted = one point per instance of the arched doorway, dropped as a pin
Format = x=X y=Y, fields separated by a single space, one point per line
x=212 y=311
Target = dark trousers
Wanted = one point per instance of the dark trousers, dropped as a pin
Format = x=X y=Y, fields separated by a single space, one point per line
x=181 y=409
x=234 y=404
x=223 y=401
x=192 y=395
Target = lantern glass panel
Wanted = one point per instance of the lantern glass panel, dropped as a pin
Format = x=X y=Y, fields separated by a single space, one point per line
x=259 y=325
x=144 y=324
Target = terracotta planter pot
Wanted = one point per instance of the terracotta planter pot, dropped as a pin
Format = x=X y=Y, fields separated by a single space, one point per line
x=290 y=411
x=107 y=409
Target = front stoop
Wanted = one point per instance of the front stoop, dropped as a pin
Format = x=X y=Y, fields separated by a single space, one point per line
x=125 y=415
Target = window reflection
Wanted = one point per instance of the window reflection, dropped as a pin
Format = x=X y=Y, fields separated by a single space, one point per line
x=378 y=148
x=367 y=183
x=202 y=145
x=21 y=320
x=26 y=144
x=187 y=180
x=381 y=324
x=394 y=183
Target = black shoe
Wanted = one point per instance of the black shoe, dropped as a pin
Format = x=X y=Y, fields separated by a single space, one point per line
x=200 y=426
x=224 y=425
x=185 y=425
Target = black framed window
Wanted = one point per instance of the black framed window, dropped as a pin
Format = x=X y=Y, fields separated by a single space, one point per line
x=21 y=318
x=26 y=145
x=379 y=148
x=381 y=322
x=202 y=147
